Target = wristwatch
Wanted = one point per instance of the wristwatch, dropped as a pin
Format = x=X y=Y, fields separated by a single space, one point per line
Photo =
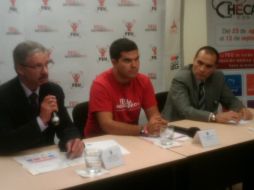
x=212 y=117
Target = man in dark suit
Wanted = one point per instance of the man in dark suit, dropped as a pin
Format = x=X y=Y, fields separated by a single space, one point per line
x=198 y=89
x=27 y=103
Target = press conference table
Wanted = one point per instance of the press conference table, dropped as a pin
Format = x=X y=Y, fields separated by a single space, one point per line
x=229 y=162
x=189 y=166
x=143 y=158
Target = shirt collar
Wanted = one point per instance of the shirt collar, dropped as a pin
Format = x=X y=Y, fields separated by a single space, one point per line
x=28 y=92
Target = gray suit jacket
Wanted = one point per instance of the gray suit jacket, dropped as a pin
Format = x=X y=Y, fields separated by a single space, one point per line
x=182 y=100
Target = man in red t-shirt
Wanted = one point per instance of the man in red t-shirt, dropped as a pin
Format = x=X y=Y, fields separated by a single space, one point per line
x=118 y=94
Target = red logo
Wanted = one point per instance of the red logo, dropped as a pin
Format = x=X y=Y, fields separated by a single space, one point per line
x=45 y=5
x=13 y=6
x=154 y=6
x=74 y=27
x=129 y=27
x=76 y=80
x=74 y=54
x=154 y=53
x=13 y=31
x=173 y=27
x=152 y=76
x=73 y=3
x=102 y=54
x=101 y=2
x=126 y=3
x=13 y=3
x=174 y=62
x=151 y=28
x=101 y=5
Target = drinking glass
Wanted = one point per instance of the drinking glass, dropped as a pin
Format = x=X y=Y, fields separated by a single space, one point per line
x=166 y=135
x=93 y=160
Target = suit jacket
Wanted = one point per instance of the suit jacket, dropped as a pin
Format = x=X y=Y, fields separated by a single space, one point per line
x=18 y=126
x=182 y=100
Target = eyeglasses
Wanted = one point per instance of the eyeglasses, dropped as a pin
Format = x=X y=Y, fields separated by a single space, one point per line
x=39 y=67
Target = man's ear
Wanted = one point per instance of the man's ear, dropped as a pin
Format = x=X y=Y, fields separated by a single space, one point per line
x=19 y=70
x=113 y=61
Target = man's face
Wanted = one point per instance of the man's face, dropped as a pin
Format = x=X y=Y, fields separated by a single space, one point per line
x=204 y=65
x=127 y=66
x=34 y=72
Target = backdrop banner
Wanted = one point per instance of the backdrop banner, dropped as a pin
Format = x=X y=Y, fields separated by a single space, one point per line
x=79 y=33
x=231 y=30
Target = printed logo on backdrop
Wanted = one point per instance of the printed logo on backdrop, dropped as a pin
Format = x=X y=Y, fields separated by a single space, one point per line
x=154 y=5
x=74 y=29
x=74 y=54
x=154 y=53
x=129 y=28
x=250 y=84
x=234 y=82
x=173 y=28
x=102 y=51
x=101 y=7
x=45 y=6
x=152 y=76
x=151 y=28
x=13 y=7
x=100 y=28
x=174 y=62
x=73 y=3
x=13 y=31
x=126 y=3
x=239 y=9
x=76 y=79
x=43 y=28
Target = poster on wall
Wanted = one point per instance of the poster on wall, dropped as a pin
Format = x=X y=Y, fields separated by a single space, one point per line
x=230 y=29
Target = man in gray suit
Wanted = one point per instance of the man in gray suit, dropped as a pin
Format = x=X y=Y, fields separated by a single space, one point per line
x=198 y=89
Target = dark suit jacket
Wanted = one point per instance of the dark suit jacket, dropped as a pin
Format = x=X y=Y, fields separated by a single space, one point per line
x=182 y=100
x=19 y=128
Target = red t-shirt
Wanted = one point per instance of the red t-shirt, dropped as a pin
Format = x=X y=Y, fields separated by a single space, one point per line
x=124 y=101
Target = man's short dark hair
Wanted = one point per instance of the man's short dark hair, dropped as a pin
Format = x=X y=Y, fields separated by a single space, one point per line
x=120 y=45
x=210 y=50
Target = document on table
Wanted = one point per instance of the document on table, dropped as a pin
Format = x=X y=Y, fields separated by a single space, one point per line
x=47 y=161
x=54 y=160
x=177 y=138
x=241 y=122
x=106 y=144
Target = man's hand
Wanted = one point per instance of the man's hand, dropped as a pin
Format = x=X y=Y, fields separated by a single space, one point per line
x=74 y=148
x=48 y=105
x=154 y=125
x=225 y=117
x=246 y=114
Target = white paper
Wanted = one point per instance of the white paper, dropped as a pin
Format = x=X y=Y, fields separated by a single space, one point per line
x=241 y=122
x=106 y=144
x=177 y=137
x=47 y=161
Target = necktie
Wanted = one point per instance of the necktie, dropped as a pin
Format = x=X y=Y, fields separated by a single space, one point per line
x=33 y=98
x=201 y=96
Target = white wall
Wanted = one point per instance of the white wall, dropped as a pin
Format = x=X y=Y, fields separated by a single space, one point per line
x=194 y=28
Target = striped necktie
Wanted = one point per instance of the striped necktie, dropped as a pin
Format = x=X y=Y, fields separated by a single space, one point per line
x=201 y=95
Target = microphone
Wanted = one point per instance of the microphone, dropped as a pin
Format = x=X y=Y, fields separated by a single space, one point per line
x=55 y=120
x=188 y=131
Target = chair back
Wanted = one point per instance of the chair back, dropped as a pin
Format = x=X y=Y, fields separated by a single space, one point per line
x=161 y=98
x=79 y=115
